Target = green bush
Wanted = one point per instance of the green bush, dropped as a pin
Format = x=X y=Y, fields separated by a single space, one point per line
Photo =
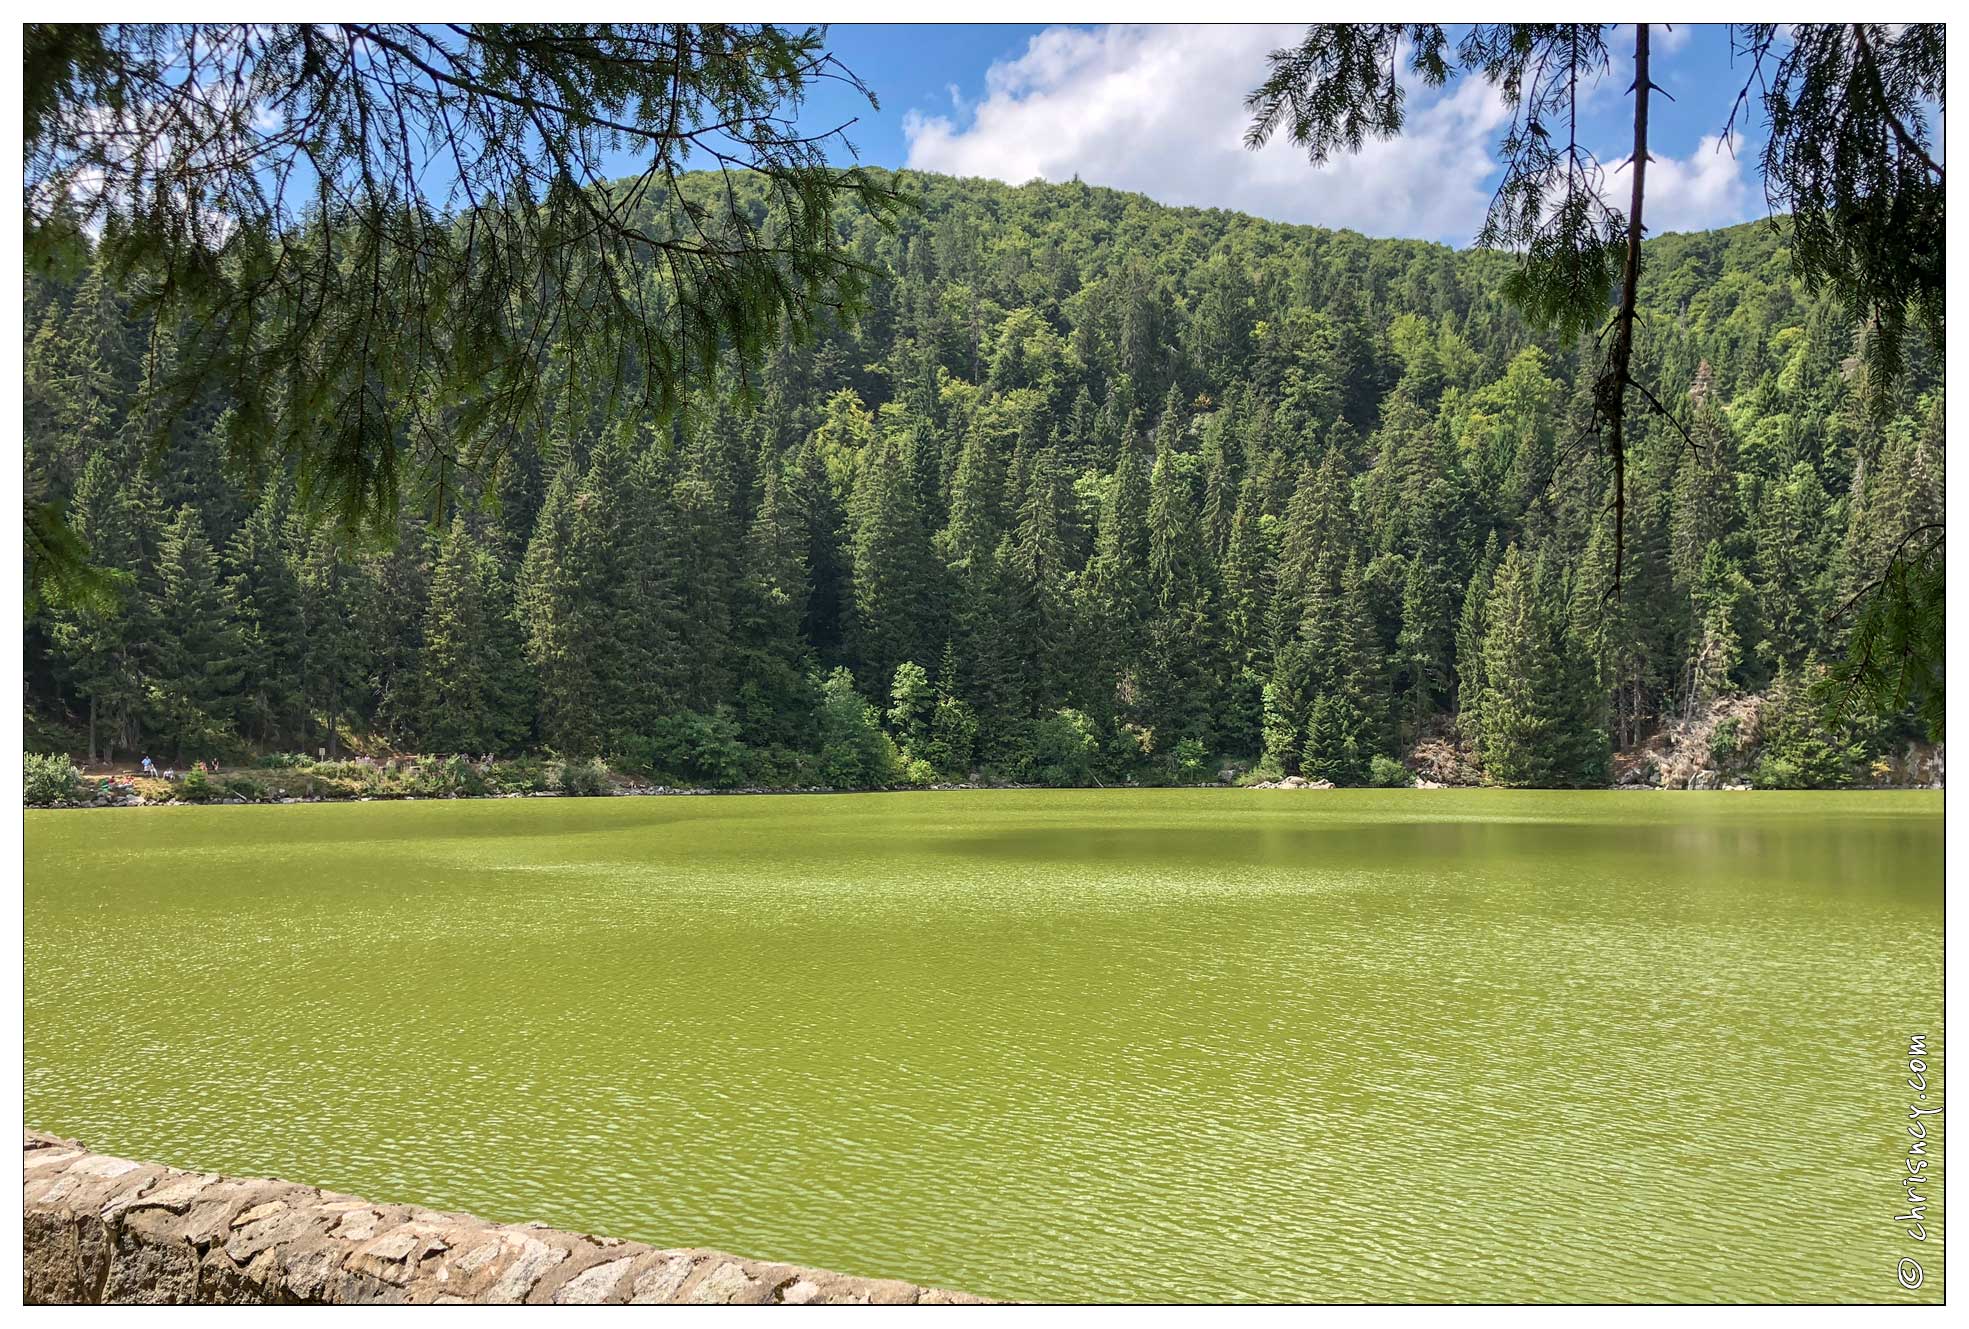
x=582 y=779
x=1264 y=770
x=953 y=739
x=690 y=748
x=1725 y=742
x=249 y=787
x=458 y=775
x=195 y=786
x=1387 y=773
x=525 y=775
x=1062 y=747
x=1190 y=758
x=1801 y=750
x=855 y=753
x=49 y=779
x=779 y=767
x=284 y=761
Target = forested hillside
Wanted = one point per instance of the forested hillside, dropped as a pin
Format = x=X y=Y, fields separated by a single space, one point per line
x=1096 y=489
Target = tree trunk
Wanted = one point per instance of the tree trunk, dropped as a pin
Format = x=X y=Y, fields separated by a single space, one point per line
x=92 y=731
x=1614 y=393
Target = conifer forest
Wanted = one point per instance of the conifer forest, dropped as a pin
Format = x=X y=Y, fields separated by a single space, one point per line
x=1092 y=490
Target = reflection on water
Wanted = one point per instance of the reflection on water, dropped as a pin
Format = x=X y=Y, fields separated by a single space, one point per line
x=1154 y=1045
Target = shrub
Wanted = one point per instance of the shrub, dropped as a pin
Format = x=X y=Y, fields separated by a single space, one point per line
x=1265 y=769
x=458 y=775
x=1190 y=757
x=49 y=779
x=1062 y=748
x=1800 y=749
x=249 y=787
x=195 y=786
x=526 y=775
x=1387 y=773
x=693 y=748
x=854 y=751
x=1725 y=741
x=284 y=761
x=582 y=779
x=779 y=767
x=953 y=738
x=1126 y=751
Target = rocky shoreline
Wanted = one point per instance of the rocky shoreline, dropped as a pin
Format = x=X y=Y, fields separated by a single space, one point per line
x=104 y=1230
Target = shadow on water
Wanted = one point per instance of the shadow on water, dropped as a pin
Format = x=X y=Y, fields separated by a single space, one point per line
x=1901 y=857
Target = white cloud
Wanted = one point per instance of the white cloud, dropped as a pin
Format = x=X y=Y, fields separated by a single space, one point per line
x=1671 y=37
x=1705 y=189
x=1160 y=110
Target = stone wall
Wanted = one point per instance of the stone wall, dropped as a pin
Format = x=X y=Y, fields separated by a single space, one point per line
x=102 y=1229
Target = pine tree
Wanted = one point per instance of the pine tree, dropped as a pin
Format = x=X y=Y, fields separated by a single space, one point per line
x=810 y=493
x=1716 y=599
x=1038 y=605
x=1115 y=591
x=774 y=702
x=1343 y=678
x=891 y=560
x=1791 y=527
x=1181 y=653
x=97 y=642
x=476 y=687
x=393 y=638
x=1471 y=626
x=700 y=579
x=264 y=597
x=191 y=696
x=334 y=606
x=1533 y=734
x=598 y=595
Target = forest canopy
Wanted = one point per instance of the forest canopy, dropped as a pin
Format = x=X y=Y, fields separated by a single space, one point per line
x=1094 y=489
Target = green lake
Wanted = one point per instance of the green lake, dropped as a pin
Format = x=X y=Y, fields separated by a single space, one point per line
x=1062 y=1045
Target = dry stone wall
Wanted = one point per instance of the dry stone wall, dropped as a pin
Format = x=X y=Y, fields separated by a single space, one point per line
x=98 y=1229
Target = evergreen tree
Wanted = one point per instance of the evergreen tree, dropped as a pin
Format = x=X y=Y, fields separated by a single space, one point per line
x=891 y=563
x=1471 y=626
x=98 y=641
x=1181 y=651
x=476 y=688
x=192 y=693
x=1532 y=735
x=264 y=597
x=334 y=606
x=774 y=703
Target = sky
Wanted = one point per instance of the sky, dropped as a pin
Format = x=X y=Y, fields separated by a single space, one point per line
x=1158 y=109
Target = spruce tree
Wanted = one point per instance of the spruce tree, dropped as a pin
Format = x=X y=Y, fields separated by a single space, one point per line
x=264 y=597
x=476 y=687
x=335 y=604
x=891 y=563
x=774 y=697
x=1534 y=732
x=1180 y=654
x=1471 y=627
x=97 y=642
x=192 y=693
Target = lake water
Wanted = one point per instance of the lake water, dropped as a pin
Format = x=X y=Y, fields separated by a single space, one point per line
x=1153 y=1045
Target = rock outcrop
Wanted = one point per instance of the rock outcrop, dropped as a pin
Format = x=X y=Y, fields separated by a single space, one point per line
x=98 y=1229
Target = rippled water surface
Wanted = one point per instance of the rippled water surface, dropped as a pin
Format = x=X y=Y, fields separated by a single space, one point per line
x=1059 y=1045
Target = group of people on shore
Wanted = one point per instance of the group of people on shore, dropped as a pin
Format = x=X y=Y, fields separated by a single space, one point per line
x=149 y=768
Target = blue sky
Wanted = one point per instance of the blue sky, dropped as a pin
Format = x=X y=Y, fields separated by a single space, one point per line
x=1158 y=109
